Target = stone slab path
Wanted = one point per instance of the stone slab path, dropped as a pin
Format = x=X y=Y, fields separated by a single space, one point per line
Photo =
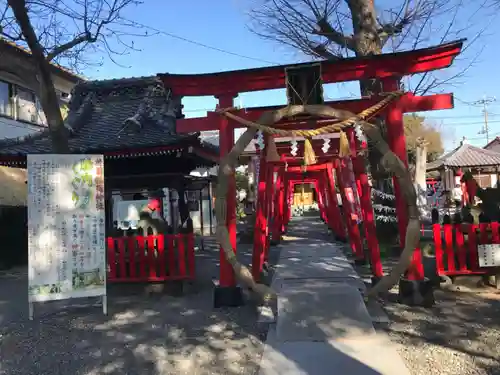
x=322 y=324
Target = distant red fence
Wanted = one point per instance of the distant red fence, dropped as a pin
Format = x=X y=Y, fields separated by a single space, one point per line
x=456 y=247
x=151 y=258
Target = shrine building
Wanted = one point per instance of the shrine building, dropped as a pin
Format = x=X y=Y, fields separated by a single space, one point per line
x=132 y=123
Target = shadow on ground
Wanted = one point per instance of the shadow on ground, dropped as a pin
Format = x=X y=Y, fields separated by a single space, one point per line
x=142 y=334
x=459 y=335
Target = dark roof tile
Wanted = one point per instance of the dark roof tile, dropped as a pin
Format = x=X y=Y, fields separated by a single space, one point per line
x=113 y=115
x=466 y=155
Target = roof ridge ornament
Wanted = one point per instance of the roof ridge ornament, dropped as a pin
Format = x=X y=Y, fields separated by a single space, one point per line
x=76 y=118
x=146 y=112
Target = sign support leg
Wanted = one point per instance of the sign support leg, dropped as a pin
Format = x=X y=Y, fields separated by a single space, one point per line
x=31 y=310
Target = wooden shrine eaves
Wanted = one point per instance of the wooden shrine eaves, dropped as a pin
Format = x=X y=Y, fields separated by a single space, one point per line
x=349 y=69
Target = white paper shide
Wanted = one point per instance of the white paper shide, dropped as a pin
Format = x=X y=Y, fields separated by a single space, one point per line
x=66 y=224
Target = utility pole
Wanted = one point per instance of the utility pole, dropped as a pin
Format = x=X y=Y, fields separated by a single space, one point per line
x=484 y=102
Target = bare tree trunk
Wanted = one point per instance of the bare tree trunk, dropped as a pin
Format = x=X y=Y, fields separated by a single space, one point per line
x=366 y=38
x=46 y=91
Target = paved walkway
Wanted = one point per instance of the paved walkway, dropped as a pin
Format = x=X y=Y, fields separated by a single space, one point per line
x=323 y=326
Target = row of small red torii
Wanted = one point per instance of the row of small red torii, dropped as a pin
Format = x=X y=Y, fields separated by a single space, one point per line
x=389 y=69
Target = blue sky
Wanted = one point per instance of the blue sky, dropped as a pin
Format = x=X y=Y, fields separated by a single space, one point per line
x=222 y=24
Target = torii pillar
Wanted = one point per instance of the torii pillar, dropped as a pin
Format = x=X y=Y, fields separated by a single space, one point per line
x=227 y=293
x=414 y=278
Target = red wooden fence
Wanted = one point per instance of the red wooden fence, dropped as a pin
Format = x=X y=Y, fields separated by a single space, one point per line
x=456 y=247
x=151 y=258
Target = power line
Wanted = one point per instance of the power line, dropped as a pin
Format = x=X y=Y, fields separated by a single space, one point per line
x=460 y=124
x=199 y=44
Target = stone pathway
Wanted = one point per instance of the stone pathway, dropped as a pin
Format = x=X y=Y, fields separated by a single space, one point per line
x=322 y=323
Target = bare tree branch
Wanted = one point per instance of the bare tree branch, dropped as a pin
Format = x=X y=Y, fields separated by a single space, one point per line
x=333 y=29
x=67 y=46
x=67 y=33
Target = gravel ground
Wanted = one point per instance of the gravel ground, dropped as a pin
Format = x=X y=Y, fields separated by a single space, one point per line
x=159 y=334
x=458 y=336
x=154 y=334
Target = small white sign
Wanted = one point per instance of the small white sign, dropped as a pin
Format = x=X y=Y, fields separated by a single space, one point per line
x=489 y=255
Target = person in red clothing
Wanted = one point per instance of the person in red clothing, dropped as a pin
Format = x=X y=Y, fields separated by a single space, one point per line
x=471 y=186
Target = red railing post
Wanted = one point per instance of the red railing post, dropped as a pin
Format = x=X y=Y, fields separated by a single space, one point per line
x=160 y=243
x=142 y=256
x=131 y=246
x=438 y=246
x=172 y=269
x=472 y=238
x=121 y=257
x=182 y=255
x=450 y=253
x=111 y=258
x=151 y=256
x=191 y=258
x=462 y=250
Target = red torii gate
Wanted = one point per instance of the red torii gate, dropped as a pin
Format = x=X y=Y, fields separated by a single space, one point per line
x=388 y=68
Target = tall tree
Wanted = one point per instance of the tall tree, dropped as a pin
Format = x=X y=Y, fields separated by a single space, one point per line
x=418 y=130
x=334 y=29
x=65 y=33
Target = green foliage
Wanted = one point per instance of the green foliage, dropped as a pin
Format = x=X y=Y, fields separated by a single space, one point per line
x=241 y=181
x=416 y=129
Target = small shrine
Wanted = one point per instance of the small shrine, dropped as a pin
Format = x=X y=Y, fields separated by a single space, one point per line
x=131 y=122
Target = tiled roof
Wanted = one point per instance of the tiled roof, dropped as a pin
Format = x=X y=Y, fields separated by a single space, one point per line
x=493 y=145
x=114 y=115
x=466 y=155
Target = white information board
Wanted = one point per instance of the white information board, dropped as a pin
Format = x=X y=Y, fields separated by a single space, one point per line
x=66 y=226
x=489 y=255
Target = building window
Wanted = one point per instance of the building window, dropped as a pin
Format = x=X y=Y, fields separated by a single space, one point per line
x=26 y=105
x=20 y=104
x=5 y=99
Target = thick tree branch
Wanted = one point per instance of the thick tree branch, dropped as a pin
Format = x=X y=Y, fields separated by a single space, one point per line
x=21 y=13
x=84 y=37
x=326 y=30
x=389 y=30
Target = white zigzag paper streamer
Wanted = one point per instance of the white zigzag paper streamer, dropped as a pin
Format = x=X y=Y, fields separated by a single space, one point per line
x=326 y=145
x=294 y=147
x=260 y=140
x=359 y=133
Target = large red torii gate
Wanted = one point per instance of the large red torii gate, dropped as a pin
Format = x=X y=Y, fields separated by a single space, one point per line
x=388 y=68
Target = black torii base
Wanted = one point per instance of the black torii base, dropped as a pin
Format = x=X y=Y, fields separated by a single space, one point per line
x=228 y=296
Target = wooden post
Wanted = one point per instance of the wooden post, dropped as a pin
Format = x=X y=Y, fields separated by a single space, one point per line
x=396 y=140
x=260 y=221
x=278 y=208
x=366 y=209
x=269 y=206
x=334 y=210
x=320 y=200
x=285 y=201
x=226 y=143
x=322 y=183
x=352 y=227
